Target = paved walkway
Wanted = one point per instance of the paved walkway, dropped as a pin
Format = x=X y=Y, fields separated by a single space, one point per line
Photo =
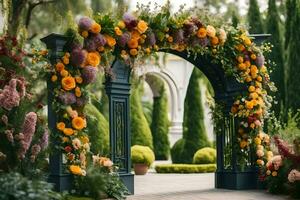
x=190 y=187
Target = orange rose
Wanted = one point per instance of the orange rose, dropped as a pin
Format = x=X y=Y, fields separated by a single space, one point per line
x=68 y=83
x=53 y=78
x=68 y=131
x=60 y=66
x=133 y=43
x=201 y=33
x=133 y=52
x=77 y=92
x=135 y=35
x=78 y=123
x=78 y=79
x=93 y=58
x=95 y=28
x=110 y=40
x=75 y=169
x=64 y=73
x=142 y=26
x=118 y=31
x=60 y=126
x=214 y=41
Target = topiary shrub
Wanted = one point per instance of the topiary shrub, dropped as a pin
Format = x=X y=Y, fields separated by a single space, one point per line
x=176 y=151
x=140 y=130
x=205 y=155
x=142 y=155
x=185 y=168
x=97 y=129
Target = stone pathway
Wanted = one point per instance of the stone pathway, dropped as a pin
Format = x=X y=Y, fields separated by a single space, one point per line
x=190 y=187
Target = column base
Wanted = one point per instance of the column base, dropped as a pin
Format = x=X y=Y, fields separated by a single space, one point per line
x=128 y=180
x=236 y=180
x=61 y=182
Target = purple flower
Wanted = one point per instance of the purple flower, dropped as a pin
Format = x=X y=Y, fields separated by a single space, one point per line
x=89 y=44
x=179 y=36
x=9 y=96
x=151 y=39
x=85 y=23
x=246 y=58
x=78 y=57
x=81 y=101
x=99 y=40
x=44 y=140
x=89 y=74
x=67 y=98
x=204 y=42
x=195 y=41
x=130 y=21
x=189 y=29
x=260 y=60
x=123 y=39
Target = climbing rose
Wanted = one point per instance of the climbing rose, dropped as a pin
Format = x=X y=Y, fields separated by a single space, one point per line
x=9 y=135
x=89 y=74
x=85 y=23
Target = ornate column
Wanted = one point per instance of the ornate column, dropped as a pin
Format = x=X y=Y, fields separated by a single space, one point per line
x=61 y=180
x=118 y=92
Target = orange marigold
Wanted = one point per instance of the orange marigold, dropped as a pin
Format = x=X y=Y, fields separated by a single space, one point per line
x=201 y=33
x=77 y=92
x=78 y=79
x=142 y=26
x=75 y=169
x=133 y=43
x=93 y=59
x=78 y=123
x=110 y=40
x=214 y=41
x=68 y=131
x=68 y=83
x=59 y=66
x=133 y=52
x=60 y=126
x=95 y=28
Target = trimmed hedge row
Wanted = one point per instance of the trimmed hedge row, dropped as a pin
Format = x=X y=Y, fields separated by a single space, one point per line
x=185 y=168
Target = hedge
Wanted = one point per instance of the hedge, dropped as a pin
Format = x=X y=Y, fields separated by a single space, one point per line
x=185 y=168
x=205 y=155
x=142 y=155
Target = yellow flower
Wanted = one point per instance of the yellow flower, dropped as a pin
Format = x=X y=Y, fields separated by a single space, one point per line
x=60 y=126
x=148 y=50
x=133 y=52
x=93 y=59
x=53 y=78
x=251 y=88
x=68 y=131
x=142 y=26
x=65 y=139
x=249 y=105
x=67 y=54
x=110 y=40
x=210 y=31
x=101 y=48
x=253 y=56
x=133 y=43
x=247 y=63
x=68 y=83
x=253 y=95
x=75 y=169
x=135 y=35
x=95 y=28
x=170 y=39
x=214 y=41
x=118 y=31
x=257 y=140
x=66 y=60
x=240 y=47
x=121 y=24
x=77 y=92
x=263 y=69
x=259 y=78
x=240 y=59
x=247 y=41
x=59 y=66
x=243 y=144
x=268 y=172
x=242 y=66
x=85 y=139
x=78 y=79
x=84 y=34
x=64 y=73
x=274 y=173
x=78 y=123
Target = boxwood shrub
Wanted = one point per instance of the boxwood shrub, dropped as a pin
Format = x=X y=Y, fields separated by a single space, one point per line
x=142 y=155
x=205 y=155
x=185 y=168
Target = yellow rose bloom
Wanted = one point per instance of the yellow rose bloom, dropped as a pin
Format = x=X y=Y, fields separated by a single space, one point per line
x=201 y=33
x=249 y=105
x=133 y=43
x=251 y=88
x=95 y=28
x=110 y=40
x=64 y=73
x=53 y=78
x=78 y=123
x=85 y=139
x=242 y=66
x=253 y=56
x=75 y=169
x=77 y=92
x=121 y=24
x=84 y=34
x=66 y=60
x=59 y=66
x=93 y=59
x=248 y=79
x=78 y=79
x=68 y=83
x=60 y=126
x=142 y=26
x=118 y=31
x=247 y=41
x=257 y=140
x=133 y=52
x=253 y=95
x=68 y=131
x=214 y=41
x=148 y=50
x=247 y=63
x=259 y=78
x=210 y=31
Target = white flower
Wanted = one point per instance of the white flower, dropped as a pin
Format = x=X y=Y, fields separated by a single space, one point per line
x=83 y=172
x=86 y=147
x=210 y=31
x=76 y=143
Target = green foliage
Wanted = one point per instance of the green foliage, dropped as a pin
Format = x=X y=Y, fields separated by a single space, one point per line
x=205 y=155
x=160 y=125
x=140 y=130
x=254 y=18
x=142 y=155
x=176 y=151
x=99 y=184
x=276 y=56
x=97 y=129
x=185 y=168
x=194 y=129
x=147 y=109
x=290 y=13
x=235 y=19
x=293 y=63
x=14 y=186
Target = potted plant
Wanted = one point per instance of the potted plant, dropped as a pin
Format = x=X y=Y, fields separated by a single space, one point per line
x=142 y=157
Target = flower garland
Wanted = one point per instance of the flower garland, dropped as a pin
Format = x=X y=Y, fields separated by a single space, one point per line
x=134 y=38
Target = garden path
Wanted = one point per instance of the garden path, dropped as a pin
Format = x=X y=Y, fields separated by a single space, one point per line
x=190 y=187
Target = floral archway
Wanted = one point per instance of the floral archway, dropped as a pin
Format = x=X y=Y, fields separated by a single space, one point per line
x=135 y=38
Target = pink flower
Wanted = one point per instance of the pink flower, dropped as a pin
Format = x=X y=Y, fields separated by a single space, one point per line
x=260 y=153
x=293 y=176
x=44 y=140
x=9 y=96
x=277 y=162
x=108 y=163
x=9 y=135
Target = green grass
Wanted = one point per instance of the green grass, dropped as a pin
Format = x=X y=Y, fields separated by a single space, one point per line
x=185 y=168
